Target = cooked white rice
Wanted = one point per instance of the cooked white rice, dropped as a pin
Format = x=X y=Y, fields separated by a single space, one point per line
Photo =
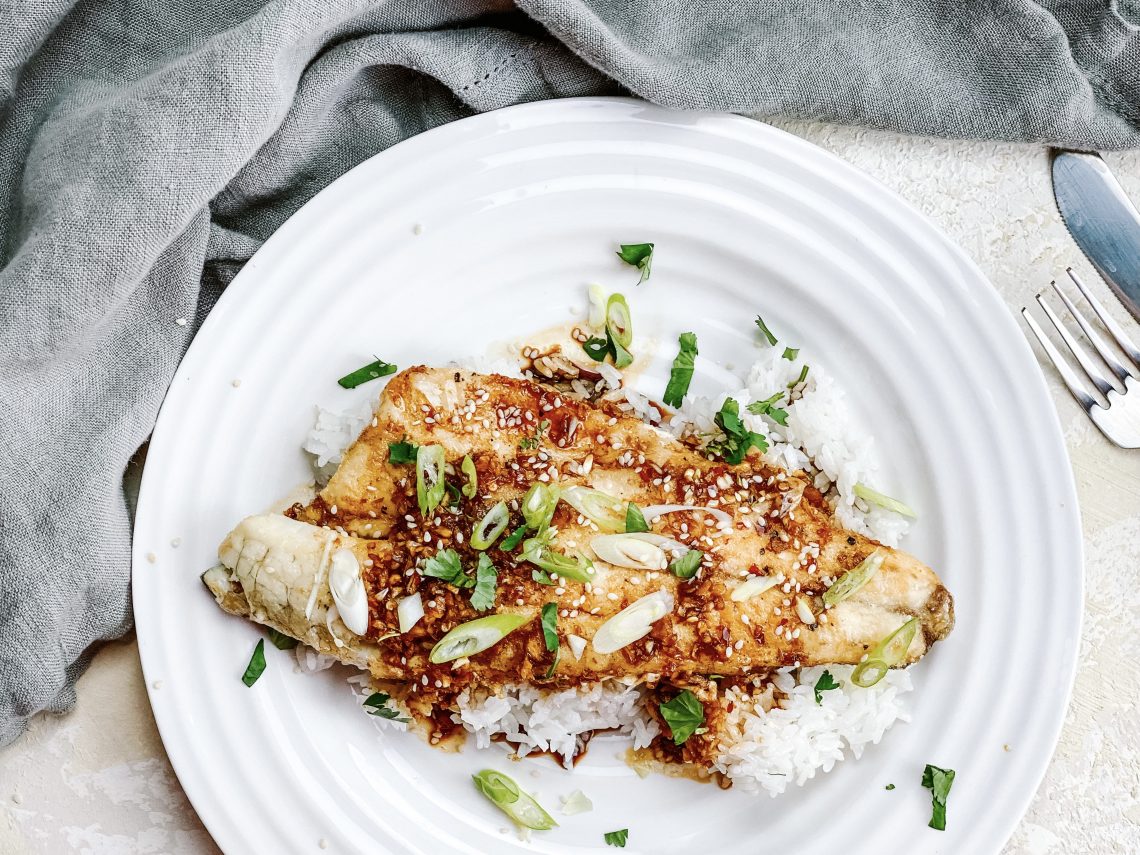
x=788 y=743
x=559 y=722
x=770 y=744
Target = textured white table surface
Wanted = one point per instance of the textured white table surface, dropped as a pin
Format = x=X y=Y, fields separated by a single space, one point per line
x=98 y=781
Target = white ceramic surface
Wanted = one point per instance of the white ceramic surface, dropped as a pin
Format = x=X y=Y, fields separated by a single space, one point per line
x=519 y=209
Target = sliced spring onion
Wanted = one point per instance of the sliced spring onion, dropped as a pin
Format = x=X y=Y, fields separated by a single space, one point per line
x=602 y=509
x=619 y=323
x=622 y=357
x=256 y=666
x=430 y=483
x=541 y=576
x=753 y=586
x=506 y=795
x=575 y=803
x=371 y=371
x=764 y=331
x=538 y=506
x=633 y=622
x=513 y=539
x=597 y=317
x=661 y=540
x=874 y=497
x=475 y=636
x=681 y=375
x=854 y=579
x=488 y=529
x=723 y=519
x=687 y=565
x=804 y=612
x=884 y=655
x=538 y=552
x=790 y=353
x=626 y=550
x=486 y=579
x=577 y=645
x=347 y=589
x=468 y=470
x=635 y=519
x=410 y=611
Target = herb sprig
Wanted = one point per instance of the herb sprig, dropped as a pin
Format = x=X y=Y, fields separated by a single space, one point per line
x=737 y=438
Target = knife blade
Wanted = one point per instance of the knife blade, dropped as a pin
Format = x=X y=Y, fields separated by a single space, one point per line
x=1102 y=220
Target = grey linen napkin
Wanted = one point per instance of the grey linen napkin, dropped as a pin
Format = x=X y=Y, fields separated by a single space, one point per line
x=148 y=147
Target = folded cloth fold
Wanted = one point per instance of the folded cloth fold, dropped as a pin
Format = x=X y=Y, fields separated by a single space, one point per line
x=148 y=147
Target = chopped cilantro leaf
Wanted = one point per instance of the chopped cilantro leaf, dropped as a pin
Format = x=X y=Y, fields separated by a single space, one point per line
x=639 y=255
x=486 y=578
x=635 y=519
x=596 y=348
x=445 y=565
x=737 y=439
x=280 y=640
x=825 y=683
x=682 y=372
x=371 y=371
x=685 y=715
x=256 y=666
x=617 y=838
x=939 y=782
x=549 y=625
x=513 y=539
x=767 y=333
x=889 y=787
x=377 y=704
x=402 y=452
x=768 y=408
x=687 y=565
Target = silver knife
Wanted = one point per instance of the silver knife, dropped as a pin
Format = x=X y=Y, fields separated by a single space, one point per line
x=1102 y=220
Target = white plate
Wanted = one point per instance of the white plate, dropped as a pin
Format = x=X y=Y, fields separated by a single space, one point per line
x=520 y=208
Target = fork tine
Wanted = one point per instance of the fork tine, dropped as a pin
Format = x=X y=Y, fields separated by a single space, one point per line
x=1067 y=374
x=1117 y=332
x=1082 y=357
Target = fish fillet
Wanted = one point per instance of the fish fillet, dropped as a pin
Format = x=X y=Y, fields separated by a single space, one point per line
x=274 y=568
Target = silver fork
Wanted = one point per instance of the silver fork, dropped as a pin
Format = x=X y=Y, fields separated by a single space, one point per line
x=1119 y=420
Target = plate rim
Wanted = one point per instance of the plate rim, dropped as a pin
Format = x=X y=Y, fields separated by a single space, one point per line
x=988 y=296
